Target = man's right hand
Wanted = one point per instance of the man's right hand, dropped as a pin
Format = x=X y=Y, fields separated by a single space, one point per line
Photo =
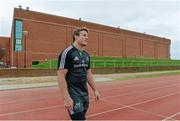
x=68 y=103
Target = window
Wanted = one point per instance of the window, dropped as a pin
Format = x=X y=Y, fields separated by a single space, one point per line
x=18 y=35
x=18 y=42
x=18 y=47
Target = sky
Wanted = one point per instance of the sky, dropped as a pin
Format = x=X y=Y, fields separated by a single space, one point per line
x=155 y=17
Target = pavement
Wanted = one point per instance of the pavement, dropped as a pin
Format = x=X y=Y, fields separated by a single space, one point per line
x=35 y=82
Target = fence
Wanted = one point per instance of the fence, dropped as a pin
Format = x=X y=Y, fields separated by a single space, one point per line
x=117 y=63
x=4 y=73
x=131 y=63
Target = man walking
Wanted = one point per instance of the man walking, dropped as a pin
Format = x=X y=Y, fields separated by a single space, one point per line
x=73 y=75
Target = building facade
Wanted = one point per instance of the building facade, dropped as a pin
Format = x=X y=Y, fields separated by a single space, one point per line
x=5 y=45
x=38 y=37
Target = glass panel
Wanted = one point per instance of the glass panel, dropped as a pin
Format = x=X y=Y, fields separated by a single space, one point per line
x=18 y=47
x=18 y=41
x=18 y=23
x=19 y=35
x=18 y=29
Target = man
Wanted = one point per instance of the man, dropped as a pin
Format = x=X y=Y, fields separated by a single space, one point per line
x=73 y=75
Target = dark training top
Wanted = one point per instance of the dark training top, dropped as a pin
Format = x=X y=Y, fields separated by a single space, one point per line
x=77 y=62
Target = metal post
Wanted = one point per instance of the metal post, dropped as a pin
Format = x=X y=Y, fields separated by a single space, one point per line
x=17 y=56
x=50 y=64
x=25 y=34
x=104 y=64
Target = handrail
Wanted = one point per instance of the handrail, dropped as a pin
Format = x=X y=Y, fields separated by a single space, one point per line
x=130 y=63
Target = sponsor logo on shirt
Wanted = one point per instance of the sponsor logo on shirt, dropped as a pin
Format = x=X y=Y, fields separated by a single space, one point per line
x=76 y=58
x=80 y=65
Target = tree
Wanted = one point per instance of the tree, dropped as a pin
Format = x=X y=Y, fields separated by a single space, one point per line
x=2 y=52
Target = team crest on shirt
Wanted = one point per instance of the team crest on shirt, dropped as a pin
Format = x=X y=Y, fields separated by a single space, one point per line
x=87 y=59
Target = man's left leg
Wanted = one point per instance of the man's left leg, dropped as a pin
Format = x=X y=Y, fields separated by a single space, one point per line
x=86 y=106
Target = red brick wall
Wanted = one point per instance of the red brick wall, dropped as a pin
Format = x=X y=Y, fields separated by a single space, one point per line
x=162 y=50
x=49 y=34
x=148 y=49
x=93 y=43
x=5 y=43
x=133 y=47
x=112 y=45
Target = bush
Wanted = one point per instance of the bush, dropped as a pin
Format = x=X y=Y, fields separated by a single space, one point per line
x=35 y=62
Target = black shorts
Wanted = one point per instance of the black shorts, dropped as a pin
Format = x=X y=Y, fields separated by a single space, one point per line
x=79 y=111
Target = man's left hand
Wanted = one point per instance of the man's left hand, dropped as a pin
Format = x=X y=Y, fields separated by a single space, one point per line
x=97 y=95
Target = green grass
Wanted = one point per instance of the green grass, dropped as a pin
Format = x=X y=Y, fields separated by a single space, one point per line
x=116 y=62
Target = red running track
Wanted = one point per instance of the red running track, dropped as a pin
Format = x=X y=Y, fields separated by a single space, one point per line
x=135 y=99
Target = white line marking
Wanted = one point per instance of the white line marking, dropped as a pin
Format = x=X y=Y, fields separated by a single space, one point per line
x=134 y=104
x=28 y=100
x=144 y=90
x=126 y=106
x=18 y=112
x=63 y=105
x=27 y=111
x=124 y=94
x=129 y=85
x=170 y=117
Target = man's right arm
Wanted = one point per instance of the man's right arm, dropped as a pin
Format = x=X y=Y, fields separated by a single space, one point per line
x=63 y=87
x=63 y=66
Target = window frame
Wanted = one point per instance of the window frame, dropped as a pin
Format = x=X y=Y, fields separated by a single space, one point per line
x=18 y=31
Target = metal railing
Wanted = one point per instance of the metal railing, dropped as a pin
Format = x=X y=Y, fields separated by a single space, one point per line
x=119 y=63
x=131 y=63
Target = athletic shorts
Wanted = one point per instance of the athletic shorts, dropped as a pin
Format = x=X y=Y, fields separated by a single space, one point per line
x=79 y=110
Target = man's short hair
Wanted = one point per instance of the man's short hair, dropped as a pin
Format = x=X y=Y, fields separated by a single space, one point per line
x=77 y=31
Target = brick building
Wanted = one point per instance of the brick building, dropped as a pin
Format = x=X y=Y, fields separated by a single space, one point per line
x=38 y=36
x=5 y=44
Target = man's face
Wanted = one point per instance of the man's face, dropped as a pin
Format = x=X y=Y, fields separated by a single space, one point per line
x=82 y=38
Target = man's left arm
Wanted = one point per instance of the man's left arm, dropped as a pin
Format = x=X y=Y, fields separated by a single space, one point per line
x=91 y=83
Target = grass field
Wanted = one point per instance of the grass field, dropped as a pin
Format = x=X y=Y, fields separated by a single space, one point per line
x=116 y=62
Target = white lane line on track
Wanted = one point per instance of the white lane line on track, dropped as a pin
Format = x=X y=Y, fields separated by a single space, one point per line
x=18 y=112
x=103 y=98
x=128 y=106
x=129 y=85
x=145 y=90
x=165 y=96
x=171 y=117
x=124 y=94
x=52 y=107
x=27 y=111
